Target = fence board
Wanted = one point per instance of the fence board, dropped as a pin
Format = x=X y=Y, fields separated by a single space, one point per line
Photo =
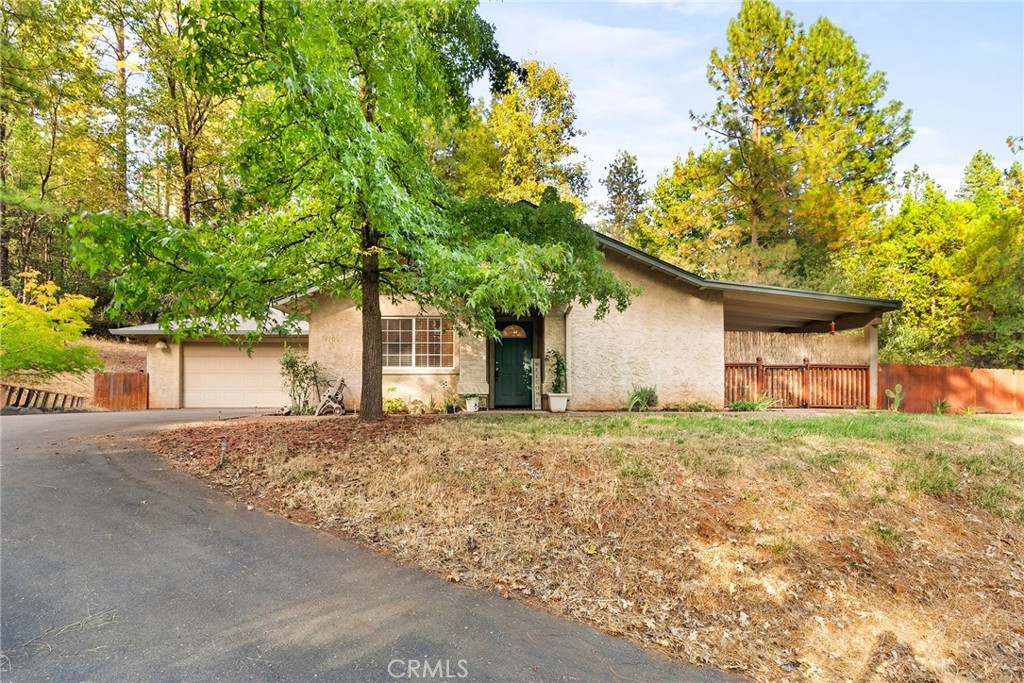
x=121 y=390
x=988 y=390
x=795 y=386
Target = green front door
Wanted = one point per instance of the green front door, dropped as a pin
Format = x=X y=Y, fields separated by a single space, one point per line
x=513 y=371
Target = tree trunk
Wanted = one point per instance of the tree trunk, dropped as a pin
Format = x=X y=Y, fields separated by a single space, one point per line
x=121 y=108
x=187 y=164
x=5 y=249
x=371 y=404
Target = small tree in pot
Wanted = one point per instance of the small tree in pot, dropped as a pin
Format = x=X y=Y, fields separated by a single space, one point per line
x=557 y=398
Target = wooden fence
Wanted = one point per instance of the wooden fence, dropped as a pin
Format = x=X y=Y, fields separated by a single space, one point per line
x=26 y=397
x=121 y=390
x=995 y=391
x=799 y=386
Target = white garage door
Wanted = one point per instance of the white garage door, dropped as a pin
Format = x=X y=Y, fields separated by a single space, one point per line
x=218 y=376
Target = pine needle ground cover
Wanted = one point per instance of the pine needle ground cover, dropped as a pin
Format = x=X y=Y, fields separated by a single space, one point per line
x=853 y=547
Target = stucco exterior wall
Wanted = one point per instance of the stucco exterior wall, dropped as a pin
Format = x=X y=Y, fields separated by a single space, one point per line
x=671 y=337
x=554 y=340
x=336 y=340
x=164 y=368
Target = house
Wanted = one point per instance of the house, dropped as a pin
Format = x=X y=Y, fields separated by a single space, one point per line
x=673 y=336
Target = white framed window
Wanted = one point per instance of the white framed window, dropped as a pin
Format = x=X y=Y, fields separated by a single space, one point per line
x=418 y=343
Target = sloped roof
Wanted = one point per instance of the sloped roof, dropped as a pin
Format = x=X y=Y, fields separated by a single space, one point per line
x=765 y=308
x=245 y=326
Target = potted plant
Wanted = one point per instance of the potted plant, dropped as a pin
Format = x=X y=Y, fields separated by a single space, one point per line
x=472 y=402
x=557 y=398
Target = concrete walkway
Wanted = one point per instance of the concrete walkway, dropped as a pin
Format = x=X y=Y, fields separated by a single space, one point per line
x=114 y=568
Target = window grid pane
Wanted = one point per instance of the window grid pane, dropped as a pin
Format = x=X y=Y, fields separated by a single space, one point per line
x=418 y=342
x=397 y=339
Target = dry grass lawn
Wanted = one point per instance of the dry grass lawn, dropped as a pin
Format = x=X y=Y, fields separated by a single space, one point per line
x=855 y=547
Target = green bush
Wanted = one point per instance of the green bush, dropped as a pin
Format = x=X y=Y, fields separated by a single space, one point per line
x=302 y=378
x=558 y=369
x=757 y=405
x=642 y=398
x=38 y=336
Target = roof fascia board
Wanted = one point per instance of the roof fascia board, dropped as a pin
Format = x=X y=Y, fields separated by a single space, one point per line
x=725 y=286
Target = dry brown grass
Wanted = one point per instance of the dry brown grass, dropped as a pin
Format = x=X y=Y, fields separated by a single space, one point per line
x=851 y=548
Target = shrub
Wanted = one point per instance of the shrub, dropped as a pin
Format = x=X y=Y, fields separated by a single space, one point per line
x=940 y=406
x=558 y=369
x=394 y=404
x=757 y=405
x=302 y=378
x=642 y=398
x=698 y=407
x=39 y=335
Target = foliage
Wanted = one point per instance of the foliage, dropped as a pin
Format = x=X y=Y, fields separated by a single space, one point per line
x=335 y=192
x=394 y=405
x=303 y=378
x=896 y=397
x=958 y=268
x=626 y=196
x=800 y=157
x=558 y=369
x=517 y=145
x=698 y=407
x=39 y=334
x=759 y=404
x=940 y=406
x=642 y=398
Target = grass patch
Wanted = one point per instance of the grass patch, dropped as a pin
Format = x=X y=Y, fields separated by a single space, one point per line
x=887 y=533
x=637 y=471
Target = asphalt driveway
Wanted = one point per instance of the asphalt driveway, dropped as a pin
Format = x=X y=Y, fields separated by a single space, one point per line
x=115 y=568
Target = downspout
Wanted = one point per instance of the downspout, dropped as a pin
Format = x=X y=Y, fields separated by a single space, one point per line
x=568 y=360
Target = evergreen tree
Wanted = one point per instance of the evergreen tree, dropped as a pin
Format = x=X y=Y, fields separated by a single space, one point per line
x=626 y=196
x=803 y=145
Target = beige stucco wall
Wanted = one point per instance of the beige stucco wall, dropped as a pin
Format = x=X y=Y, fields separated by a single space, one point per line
x=336 y=340
x=671 y=337
x=843 y=348
x=164 y=368
x=554 y=340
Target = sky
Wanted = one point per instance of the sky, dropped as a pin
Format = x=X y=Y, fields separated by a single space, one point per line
x=639 y=68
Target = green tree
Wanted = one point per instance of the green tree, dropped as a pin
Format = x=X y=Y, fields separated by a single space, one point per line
x=39 y=333
x=805 y=140
x=517 y=145
x=626 y=196
x=983 y=182
x=958 y=268
x=335 y=192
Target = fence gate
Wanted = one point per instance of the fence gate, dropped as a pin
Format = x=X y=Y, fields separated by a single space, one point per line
x=799 y=386
x=121 y=390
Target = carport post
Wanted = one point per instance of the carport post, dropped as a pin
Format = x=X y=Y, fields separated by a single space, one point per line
x=871 y=335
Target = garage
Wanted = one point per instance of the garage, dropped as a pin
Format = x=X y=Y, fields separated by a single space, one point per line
x=216 y=376
x=203 y=373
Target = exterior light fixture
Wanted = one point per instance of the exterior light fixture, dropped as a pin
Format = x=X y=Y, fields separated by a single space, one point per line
x=161 y=344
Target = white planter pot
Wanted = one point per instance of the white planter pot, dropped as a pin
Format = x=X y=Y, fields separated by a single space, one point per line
x=472 y=404
x=557 y=402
